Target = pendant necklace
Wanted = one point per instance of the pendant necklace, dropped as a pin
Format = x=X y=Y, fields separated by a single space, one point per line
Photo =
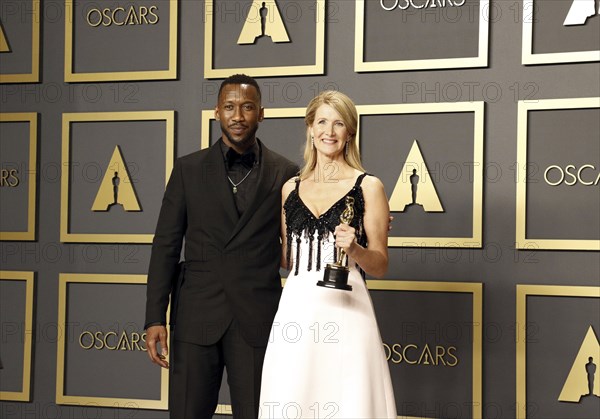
x=235 y=185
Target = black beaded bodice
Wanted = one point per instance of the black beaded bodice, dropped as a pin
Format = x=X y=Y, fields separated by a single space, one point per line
x=303 y=225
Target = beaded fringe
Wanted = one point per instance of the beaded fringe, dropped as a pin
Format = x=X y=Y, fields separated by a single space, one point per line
x=302 y=224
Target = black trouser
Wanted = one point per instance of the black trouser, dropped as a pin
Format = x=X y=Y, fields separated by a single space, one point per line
x=196 y=373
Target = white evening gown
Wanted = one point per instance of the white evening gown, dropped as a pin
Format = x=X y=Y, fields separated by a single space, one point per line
x=325 y=357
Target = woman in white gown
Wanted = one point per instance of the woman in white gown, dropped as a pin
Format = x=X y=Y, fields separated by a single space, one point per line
x=325 y=357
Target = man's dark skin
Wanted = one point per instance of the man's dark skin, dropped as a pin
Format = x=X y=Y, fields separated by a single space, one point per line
x=239 y=111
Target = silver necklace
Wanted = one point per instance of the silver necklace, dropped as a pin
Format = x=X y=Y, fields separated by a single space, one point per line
x=235 y=185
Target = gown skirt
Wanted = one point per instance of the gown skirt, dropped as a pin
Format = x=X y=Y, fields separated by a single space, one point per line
x=325 y=357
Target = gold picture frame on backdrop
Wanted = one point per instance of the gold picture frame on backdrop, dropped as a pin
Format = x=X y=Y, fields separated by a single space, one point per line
x=209 y=115
x=477 y=108
x=529 y=58
x=25 y=394
x=293 y=70
x=72 y=77
x=524 y=291
x=481 y=60
x=473 y=288
x=34 y=75
x=32 y=119
x=68 y=118
x=522 y=241
x=61 y=398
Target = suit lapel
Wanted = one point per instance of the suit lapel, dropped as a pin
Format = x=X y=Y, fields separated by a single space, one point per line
x=266 y=179
x=218 y=186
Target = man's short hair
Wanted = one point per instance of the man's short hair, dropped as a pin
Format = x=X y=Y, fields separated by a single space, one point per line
x=240 y=79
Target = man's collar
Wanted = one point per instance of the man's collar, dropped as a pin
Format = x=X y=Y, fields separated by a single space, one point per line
x=255 y=150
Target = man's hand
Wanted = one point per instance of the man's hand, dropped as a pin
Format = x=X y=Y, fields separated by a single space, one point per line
x=154 y=335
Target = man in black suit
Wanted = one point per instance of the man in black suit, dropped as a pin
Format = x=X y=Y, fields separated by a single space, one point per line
x=226 y=202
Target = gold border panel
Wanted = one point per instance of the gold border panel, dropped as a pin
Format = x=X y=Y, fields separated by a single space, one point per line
x=24 y=395
x=68 y=118
x=32 y=118
x=523 y=242
x=477 y=108
x=524 y=291
x=61 y=398
x=474 y=288
x=527 y=55
x=310 y=69
x=481 y=60
x=34 y=76
x=169 y=74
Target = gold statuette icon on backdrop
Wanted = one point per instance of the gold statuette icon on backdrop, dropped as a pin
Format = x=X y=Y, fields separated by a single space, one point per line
x=264 y=19
x=415 y=185
x=4 y=47
x=584 y=378
x=580 y=11
x=116 y=187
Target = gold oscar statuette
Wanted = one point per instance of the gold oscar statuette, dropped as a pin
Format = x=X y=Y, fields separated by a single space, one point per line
x=336 y=274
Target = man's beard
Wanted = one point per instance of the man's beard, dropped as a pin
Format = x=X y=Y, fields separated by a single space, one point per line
x=246 y=141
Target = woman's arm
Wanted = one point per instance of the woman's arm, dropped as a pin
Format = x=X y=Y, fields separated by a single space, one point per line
x=374 y=258
x=285 y=191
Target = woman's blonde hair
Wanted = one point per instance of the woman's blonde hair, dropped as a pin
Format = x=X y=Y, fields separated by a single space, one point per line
x=344 y=106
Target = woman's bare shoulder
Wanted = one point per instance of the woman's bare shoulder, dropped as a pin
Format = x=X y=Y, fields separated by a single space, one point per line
x=372 y=184
x=288 y=187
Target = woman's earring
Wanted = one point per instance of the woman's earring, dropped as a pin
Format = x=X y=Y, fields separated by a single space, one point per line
x=312 y=138
x=347 y=146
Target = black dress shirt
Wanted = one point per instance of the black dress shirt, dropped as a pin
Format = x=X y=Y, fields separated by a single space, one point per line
x=237 y=170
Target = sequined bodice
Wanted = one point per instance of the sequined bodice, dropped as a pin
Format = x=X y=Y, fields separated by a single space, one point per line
x=302 y=225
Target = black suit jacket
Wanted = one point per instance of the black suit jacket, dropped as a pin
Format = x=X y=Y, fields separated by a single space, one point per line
x=231 y=267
